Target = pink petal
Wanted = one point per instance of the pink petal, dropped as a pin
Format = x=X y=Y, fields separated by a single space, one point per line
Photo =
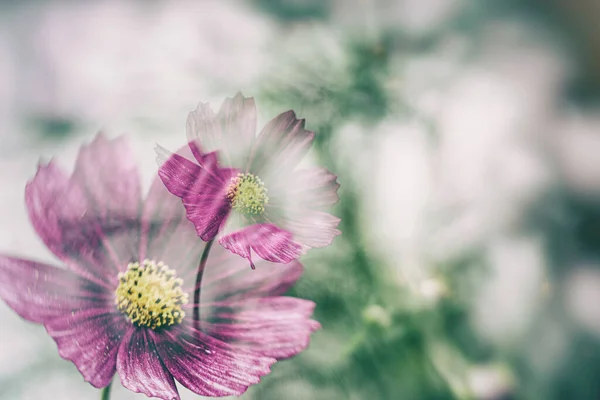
x=140 y=367
x=77 y=313
x=281 y=145
x=90 y=338
x=107 y=170
x=267 y=240
x=207 y=366
x=40 y=292
x=107 y=173
x=226 y=277
x=89 y=220
x=278 y=327
x=167 y=235
x=201 y=188
x=231 y=131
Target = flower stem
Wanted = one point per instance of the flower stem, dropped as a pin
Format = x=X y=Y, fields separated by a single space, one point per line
x=201 y=266
x=105 y=395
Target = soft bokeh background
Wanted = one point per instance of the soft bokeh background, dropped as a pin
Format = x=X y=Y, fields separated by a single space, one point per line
x=466 y=136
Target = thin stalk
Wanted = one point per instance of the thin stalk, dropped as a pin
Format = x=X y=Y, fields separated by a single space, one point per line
x=105 y=395
x=201 y=266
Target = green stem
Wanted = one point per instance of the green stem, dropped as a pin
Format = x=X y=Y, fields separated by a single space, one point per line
x=105 y=395
x=201 y=267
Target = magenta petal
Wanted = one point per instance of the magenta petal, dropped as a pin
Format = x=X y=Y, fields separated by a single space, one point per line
x=90 y=220
x=141 y=369
x=75 y=311
x=90 y=338
x=277 y=327
x=39 y=292
x=267 y=240
x=202 y=190
x=282 y=143
x=107 y=173
x=207 y=366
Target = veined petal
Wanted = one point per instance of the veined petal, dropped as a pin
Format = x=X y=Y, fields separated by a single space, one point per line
x=231 y=131
x=202 y=190
x=90 y=338
x=40 y=292
x=281 y=145
x=312 y=229
x=305 y=189
x=278 y=327
x=77 y=314
x=227 y=277
x=207 y=366
x=268 y=241
x=106 y=172
x=167 y=235
x=89 y=220
x=297 y=203
x=140 y=367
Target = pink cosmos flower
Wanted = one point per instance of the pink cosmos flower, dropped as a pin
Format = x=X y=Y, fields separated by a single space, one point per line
x=249 y=187
x=121 y=302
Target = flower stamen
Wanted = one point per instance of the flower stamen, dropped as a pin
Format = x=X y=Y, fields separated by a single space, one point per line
x=150 y=295
x=247 y=194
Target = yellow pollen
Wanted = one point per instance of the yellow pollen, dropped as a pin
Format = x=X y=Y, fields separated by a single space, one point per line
x=247 y=194
x=150 y=295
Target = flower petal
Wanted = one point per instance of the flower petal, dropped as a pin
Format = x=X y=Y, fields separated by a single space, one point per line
x=107 y=174
x=89 y=220
x=167 y=235
x=107 y=170
x=309 y=188
x=231 y=131
x=40 y=292
x=90 y=338
x=312 y=229
x=282 y=143
x=202 y=190
x=207 y=366
x=278 y=327
x=268 y=241
x=76 y=312
x=140 y=367
x=296 y=205
x=226 y=277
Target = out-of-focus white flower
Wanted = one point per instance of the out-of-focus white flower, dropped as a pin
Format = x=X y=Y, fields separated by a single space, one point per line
x=490 y=382
x=583 y=297
x=414 y=16
x=400 y=190
x=433 y=289
x=112 y=61
x=491 y=165
x=507 y=299
x=575 y=146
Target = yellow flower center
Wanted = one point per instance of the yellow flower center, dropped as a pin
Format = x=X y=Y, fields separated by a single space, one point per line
x=247 y=194
x=150 y=295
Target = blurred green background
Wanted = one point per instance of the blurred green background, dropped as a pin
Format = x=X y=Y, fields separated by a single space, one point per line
x=465 y=134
